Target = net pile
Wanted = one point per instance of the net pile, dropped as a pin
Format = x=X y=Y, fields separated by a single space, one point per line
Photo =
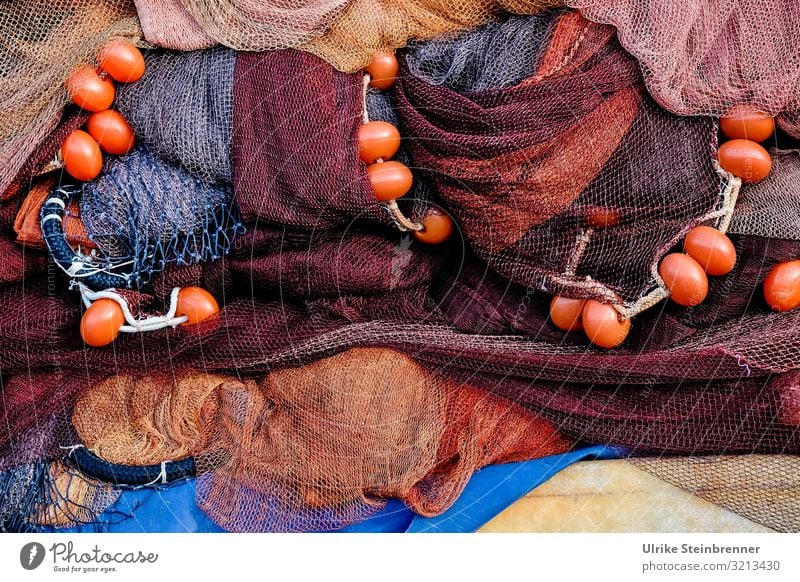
x=707 y=56
x=525 y=166
x=315 y=447
x=44 y=42
x=341 y=338
x=771 y=208
x=761 y=488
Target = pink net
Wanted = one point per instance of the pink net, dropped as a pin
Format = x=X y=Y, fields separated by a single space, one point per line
x=345 y=33
x=706 y=56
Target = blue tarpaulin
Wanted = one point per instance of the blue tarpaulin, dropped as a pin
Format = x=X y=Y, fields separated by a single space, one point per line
x=492 y=489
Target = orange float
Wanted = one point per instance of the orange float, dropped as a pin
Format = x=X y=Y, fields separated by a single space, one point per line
x=382 y=70
x=745 y=159
x=111 y=131
x=438 y=227
x=743 y=123
x=196 y=304
x=712 y=249
x=81 y=156
x=377 y=140
x=101 y=322
x=389 y=180
x=121 y=60
x=782 y=286
x=603 y=325
x=685 y=279
x=90 y=91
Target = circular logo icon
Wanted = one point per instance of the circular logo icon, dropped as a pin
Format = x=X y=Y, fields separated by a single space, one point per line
x=31 y=555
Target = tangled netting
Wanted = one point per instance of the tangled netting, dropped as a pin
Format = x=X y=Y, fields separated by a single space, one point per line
x=339 y=335
x=52 y=495
x=526 y=168
x=346 y=33
x=754 y=486
x=706 y=56
x=182 y=109
x=315 y=447
x=148 y=213
x=44 y=40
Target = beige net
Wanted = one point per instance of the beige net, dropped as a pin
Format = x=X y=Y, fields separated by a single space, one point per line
x=762 y=488
x=314 y=447
x=43 y=42
x=346 y=33
x=367 y=26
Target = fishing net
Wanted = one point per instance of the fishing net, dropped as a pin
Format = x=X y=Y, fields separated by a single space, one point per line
x=771 y=207
x=366 y=26
x=706 y=57
x=147 y=213
x=182 y=109
x=50 y=494
x=315 y=447
x=527 y=169
x=44 y=42
x=295 y=156
x=345 y=33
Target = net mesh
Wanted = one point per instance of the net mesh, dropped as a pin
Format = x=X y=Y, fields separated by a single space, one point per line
x=771 y=208
x=346 y=33
x=706 y=57
x=320 y=288
x=315 y=447
x=50 y=494
x=182 y=110
x=149 y=213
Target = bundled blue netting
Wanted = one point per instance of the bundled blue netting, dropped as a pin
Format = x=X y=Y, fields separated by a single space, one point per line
x=147 y=213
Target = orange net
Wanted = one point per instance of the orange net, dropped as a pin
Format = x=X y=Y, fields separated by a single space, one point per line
x=314 y=447
x=28 y=229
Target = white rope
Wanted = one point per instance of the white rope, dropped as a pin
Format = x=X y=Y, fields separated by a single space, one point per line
x=137 y=325
x=71 y=449
x=364 y=112
x=161 y=477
